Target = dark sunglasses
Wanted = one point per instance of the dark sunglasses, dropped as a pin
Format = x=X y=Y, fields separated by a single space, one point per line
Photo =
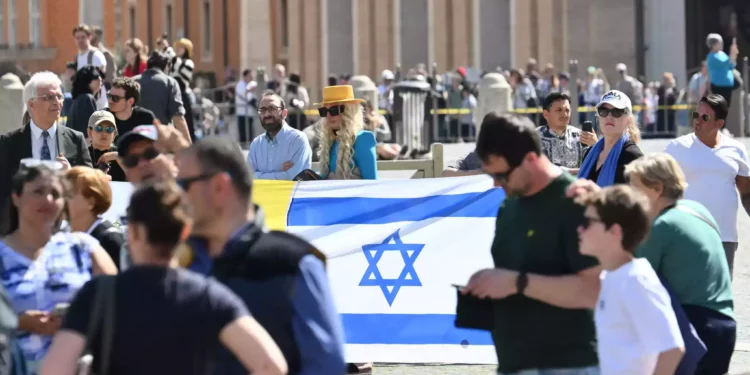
x=104 y=129
x=503 y=177
x=333 y=111
x=114 y=98
x=587 y=221
x=703 y=117
x=616 y=112
x=186 y=182
x=132 y=160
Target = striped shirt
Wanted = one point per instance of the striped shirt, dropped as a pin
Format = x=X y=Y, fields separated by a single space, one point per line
x=62 y=268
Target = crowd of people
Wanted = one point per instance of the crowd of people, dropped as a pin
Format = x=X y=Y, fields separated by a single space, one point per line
x=234 y=297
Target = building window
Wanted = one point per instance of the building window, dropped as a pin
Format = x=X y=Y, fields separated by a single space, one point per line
x=35 y=23
x=12 y=23
x=168 y=21
x=207 y=30
x=132 y=20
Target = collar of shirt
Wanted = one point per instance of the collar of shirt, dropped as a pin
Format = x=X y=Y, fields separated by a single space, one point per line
x=96 y=224
x=37 y=131
x=281 y=135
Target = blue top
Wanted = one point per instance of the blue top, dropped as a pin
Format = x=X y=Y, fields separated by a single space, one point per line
x=62 y=268
x=720 y=69
x=315 y=323
x=267 y=154
x=365 y=156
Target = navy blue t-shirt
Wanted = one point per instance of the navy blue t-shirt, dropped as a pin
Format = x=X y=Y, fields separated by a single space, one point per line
x=167 y=320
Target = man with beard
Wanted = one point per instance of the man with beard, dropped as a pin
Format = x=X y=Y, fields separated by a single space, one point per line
x=280 y=277
x=282 y=152
x=542 y=288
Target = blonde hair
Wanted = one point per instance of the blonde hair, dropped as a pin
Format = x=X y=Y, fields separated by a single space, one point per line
x=351 y=123
x=659 y=169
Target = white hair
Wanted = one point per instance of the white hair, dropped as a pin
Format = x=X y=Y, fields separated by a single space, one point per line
x=40 y=79
x=712 y=39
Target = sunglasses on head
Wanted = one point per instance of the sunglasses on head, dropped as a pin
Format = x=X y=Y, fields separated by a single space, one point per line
x=616 y=112
x=132 y=160
x=333 y=111
x=703 y=117
x=104 y=129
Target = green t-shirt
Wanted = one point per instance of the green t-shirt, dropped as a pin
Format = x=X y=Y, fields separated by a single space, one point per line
x=538 y=234
x=688 y=254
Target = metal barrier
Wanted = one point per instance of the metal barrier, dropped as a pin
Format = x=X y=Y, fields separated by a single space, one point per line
x=427 y=168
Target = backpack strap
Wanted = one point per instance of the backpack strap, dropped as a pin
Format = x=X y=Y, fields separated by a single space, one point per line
x=90 y=57
x=698 y=215
x=103 y=317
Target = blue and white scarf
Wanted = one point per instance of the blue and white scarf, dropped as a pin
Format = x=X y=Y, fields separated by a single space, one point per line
x=609 y=169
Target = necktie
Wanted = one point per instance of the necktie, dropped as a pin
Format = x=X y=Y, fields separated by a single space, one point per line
x=45 y=147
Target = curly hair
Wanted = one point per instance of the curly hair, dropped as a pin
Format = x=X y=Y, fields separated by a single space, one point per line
x=351 y=123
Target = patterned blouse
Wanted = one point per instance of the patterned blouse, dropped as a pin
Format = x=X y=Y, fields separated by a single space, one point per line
x=564 y=150
x=62 y=268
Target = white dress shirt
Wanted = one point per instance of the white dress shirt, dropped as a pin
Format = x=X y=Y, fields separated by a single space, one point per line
x=37 y=141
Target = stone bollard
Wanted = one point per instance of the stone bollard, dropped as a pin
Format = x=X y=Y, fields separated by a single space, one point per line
x=736 y=118
x=11 y=102
x=494 y=95
x=365 y=88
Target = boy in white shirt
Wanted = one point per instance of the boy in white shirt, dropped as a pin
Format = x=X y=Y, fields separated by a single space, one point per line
x=636 y=328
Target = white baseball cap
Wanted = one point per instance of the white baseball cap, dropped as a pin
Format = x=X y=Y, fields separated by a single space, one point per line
x=387 y=74
x=617 y=99
x=621 y=67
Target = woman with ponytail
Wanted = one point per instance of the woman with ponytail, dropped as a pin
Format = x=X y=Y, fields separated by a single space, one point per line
x=604 y=163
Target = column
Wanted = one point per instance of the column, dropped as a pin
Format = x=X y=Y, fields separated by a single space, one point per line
x=255 y=34
x=340 y=36
x=664 y=21
x=415 y=34
x=497 y=40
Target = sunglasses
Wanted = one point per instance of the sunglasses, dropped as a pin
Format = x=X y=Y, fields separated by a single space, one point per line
x=616 y=112
x=104 y=129
x=185 y=183
x=114 y=98
x=131 y=161
x=503 y=177
x=703 y=117
x=333 y=111
x=588 y=221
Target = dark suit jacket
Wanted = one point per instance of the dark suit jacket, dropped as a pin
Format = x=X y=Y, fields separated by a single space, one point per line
x=16 y=145
x=111 y=239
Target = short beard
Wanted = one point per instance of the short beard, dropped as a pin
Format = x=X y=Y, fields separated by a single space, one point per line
x=273 y=126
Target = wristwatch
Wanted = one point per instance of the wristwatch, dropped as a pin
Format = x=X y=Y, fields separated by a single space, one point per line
x=521 y=282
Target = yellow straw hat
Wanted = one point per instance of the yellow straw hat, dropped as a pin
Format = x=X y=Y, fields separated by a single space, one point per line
x=338 y=95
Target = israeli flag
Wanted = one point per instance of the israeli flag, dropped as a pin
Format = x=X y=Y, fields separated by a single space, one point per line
x=394 y=249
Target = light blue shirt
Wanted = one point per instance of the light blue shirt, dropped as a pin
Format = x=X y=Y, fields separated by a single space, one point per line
x=267 y=154
x=720 y=69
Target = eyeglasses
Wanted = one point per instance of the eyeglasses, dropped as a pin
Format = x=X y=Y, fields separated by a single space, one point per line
x=187 y=181
x=616 y=112
x=132 y=160
x=114 y=98
x=333 y=111
x=50 y=97
x=703 y=117
x=502 y=177
x=263 y=110
x=587 y=221
x=104 y=129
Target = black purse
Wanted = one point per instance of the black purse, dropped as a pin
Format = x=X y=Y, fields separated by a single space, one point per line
x=308 y=175
x=473 y=312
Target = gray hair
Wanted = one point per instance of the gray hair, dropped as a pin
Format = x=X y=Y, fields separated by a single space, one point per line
x=712 y=39
x=659 y=169
x=40 y=79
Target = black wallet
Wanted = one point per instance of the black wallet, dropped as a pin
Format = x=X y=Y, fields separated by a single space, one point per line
x=307 y=175
x=473 y=312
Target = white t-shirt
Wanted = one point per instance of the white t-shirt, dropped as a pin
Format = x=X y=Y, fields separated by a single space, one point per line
x=710 y=174
x=634 y=320
x=242 y=98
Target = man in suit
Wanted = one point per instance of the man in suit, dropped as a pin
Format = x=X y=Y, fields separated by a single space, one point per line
x=41 y=138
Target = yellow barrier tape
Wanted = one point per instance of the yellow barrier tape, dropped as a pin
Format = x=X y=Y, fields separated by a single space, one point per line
x=525 y=111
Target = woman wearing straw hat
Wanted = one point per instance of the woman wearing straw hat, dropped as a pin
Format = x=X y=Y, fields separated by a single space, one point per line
x=346 y=150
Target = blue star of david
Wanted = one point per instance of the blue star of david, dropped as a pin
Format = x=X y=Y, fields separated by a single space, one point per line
x=408 y=276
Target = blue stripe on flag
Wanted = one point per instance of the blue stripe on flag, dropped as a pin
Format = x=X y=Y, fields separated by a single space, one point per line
x=332 y=211
x=409 y=329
